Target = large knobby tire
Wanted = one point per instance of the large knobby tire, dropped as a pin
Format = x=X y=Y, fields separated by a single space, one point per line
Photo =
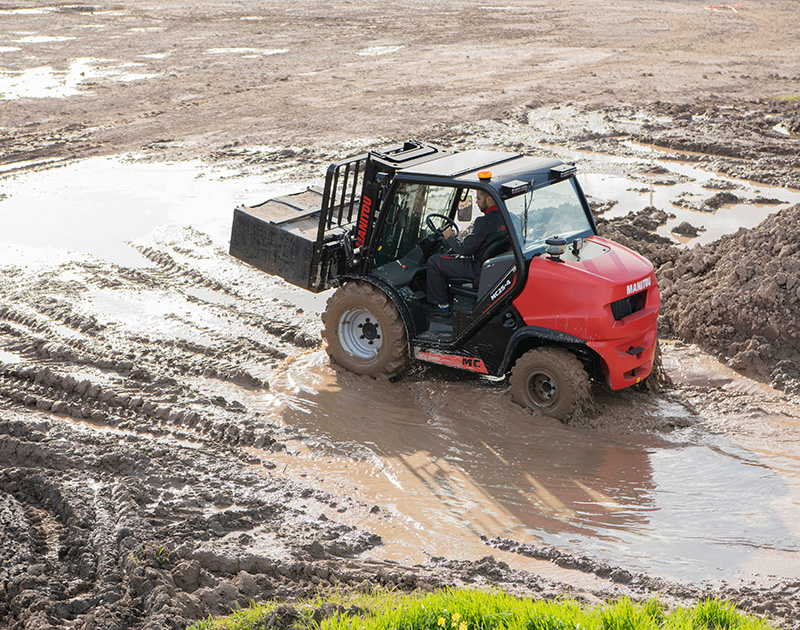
x=364 y=331
x=551 y=381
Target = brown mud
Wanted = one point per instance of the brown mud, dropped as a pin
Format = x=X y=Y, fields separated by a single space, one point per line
x=173 y=442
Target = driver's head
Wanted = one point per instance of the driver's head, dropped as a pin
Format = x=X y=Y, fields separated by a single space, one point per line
x=484 y=200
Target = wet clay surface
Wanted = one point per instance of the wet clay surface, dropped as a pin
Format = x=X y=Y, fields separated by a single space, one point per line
x=173 y=441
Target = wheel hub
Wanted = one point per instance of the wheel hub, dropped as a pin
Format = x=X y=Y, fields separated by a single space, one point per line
x=369 y=330
x=542 y=389
x=360 y=333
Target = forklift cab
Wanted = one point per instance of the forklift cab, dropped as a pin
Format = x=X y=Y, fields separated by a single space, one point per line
x=412 y=224
x=419 y=206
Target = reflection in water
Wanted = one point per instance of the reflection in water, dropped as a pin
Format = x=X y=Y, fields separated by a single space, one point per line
x=457 y=460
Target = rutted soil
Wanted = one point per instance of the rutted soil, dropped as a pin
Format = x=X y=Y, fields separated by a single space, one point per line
x=145 y=476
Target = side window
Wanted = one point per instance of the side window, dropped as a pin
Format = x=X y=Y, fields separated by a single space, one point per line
x=405 y=223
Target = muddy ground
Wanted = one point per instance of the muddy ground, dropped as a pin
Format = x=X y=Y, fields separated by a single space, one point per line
x=142 y=487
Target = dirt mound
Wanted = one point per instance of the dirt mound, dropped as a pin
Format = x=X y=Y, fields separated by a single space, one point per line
x=740 y=298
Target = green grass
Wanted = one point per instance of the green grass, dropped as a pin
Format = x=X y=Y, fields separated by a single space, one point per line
x=464 y=609
x=789 y=99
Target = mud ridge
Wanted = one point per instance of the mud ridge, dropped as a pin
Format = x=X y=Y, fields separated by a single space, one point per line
x=44 y=390
x=569 y=561
x=171 y=270
x=117 y=533
x=773 y=602
x=183 y=277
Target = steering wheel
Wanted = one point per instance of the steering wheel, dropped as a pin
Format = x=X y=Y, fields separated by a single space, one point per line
x=447 y=223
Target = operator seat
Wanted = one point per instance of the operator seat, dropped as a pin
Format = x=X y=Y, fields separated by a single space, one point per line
x=468 y=287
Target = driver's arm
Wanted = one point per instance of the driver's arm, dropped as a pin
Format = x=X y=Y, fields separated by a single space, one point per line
x=472 y=242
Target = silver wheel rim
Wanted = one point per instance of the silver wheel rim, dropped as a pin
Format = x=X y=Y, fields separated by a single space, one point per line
x=542 y=389
x=360 y=333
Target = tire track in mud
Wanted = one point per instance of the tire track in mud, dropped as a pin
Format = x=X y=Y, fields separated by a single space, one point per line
x=71 y=529
x=118 y=531
x=173 y=271
x=69 y=363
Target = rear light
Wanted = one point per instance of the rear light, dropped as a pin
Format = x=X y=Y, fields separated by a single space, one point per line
x=629 y=305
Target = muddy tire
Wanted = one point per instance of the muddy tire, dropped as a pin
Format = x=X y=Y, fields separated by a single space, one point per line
x=551 y=381
x=364 y=331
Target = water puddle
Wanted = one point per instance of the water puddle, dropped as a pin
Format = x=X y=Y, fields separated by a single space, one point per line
x=248 y=52
x=9 y=358
x=454 y=461
x=46 y=82
x=44 y=39
x=678 y=188
x=768 y=430
x=96 y=206
x=31 y=11
x=376 y=51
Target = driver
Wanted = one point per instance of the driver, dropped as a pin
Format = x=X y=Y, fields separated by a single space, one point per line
x=465 y=255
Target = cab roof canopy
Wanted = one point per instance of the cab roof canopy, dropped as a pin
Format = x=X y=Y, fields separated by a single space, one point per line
x=462 y=168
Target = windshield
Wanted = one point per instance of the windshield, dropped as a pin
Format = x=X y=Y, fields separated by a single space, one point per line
x=554 y=210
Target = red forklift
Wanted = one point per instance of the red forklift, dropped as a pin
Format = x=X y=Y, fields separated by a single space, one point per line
x=554 y=305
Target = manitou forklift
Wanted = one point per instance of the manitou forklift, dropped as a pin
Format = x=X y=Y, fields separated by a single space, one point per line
x=553 y=306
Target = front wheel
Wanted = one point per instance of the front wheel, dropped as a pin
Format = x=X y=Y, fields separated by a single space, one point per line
x=364 y=331
x=551 y=381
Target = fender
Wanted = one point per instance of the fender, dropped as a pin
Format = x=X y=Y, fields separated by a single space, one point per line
x=536 y=332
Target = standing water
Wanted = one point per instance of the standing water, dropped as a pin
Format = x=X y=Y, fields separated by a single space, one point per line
x=456 y=461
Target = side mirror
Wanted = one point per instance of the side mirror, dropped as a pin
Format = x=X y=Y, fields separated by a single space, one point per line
x=465 y=209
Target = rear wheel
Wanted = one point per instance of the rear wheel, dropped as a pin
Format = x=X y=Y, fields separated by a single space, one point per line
x=364 y=331
x=551 y=381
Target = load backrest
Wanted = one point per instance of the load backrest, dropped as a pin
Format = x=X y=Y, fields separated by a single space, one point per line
x=351 y=203
x=340 y=197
